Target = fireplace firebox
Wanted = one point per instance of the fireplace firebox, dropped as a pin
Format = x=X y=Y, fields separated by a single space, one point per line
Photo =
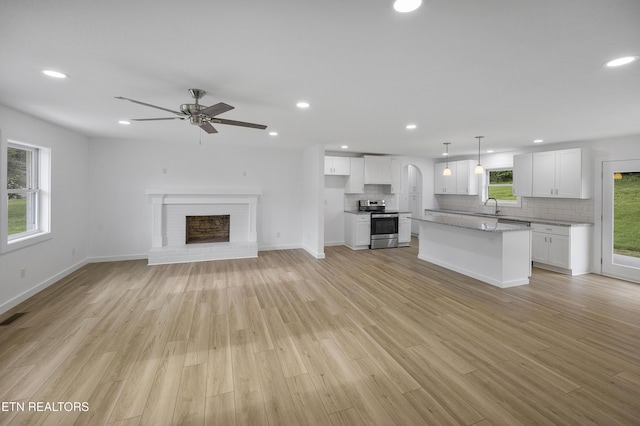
x=207 y=229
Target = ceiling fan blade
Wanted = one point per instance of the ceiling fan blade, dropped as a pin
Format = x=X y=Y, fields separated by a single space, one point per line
x=238 y=123
x=156 y=119
x=149 y=105
x=216 y=109
x=207 y=127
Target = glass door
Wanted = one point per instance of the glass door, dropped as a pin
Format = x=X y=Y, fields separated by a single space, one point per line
x=621 y=219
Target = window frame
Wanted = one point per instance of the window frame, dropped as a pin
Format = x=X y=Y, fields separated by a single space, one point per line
x=484 y=196
x=39 y=187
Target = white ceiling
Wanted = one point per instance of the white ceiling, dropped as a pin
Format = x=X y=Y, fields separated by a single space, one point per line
x=510 y=70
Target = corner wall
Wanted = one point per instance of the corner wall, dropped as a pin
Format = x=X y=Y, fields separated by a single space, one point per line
x=313 y=201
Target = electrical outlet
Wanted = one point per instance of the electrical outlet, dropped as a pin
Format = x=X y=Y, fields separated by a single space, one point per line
x=23 y=272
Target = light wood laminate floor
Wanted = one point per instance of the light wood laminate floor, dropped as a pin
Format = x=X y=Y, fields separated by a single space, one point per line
x=359 y=338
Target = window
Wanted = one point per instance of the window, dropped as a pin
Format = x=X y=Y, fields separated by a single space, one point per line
x=26 y=173
x=500 y=185
x=22 y=190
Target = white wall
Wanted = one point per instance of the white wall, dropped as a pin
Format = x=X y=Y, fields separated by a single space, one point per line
x=123 y=169
x=313 y=205
x=47 y=261
x=334 y=210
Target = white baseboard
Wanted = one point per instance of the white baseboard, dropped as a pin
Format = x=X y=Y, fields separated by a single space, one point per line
x=101 y=259
x=314 y=253
x=333 y=243
x=280 y=247
x=38 y=288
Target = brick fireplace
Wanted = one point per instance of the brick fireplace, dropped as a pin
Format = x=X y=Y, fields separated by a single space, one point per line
x=172 y=207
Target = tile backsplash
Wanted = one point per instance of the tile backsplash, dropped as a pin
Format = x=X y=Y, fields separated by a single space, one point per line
x=536 y=208
x=372 y=192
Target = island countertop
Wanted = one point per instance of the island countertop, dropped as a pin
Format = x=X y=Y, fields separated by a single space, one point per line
x=473 y=222
x=556 y=222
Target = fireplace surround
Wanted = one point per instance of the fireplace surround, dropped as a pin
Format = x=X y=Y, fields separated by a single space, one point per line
x=170 y=208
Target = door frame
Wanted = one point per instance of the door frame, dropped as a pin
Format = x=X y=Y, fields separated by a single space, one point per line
x=608 y=266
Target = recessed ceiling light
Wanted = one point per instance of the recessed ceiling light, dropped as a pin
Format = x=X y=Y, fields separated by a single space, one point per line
x=54 y=74
x=621 y=61
x=124 y=122
x=411 y=126
x=405 y=6
x=538 y=141
x=302 y=104
x=273 y=133
x=489 y=151
x=445 y=153
x=344 y=146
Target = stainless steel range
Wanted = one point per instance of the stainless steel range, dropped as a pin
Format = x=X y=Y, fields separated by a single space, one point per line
x=384 y=224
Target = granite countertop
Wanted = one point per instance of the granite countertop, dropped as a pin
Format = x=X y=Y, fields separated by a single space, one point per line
x=473 y=222
x=514 y=218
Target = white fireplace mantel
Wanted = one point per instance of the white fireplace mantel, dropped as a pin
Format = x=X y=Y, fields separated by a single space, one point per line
x=243 y=238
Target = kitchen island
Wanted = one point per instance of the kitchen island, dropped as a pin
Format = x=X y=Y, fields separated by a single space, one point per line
x=496 y=253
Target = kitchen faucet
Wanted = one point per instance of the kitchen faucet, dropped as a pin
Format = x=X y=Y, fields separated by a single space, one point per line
x=491 y=198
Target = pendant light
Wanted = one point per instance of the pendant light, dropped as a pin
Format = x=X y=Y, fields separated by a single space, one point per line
x=479 y=169
x=447 y=170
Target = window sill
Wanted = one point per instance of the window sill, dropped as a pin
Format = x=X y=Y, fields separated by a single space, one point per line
x=26 y=241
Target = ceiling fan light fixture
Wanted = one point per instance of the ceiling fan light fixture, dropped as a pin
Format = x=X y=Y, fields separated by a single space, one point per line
x=405 y=6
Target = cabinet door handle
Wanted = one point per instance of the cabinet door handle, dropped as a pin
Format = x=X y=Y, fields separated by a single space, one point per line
x=551 y=191
x=556 y=192
x=550 y=240
x=545 y=239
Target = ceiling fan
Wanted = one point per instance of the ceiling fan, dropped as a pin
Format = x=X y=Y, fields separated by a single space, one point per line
x=198 y=115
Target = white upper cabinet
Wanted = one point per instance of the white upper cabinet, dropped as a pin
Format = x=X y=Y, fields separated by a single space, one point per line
x=377 y=170
x=562 y=174
x=337 y=166
x=466 y=179
x=355 y=181
x=523 y=175
x=444 y=184
x=463 y=180
x=396 y=176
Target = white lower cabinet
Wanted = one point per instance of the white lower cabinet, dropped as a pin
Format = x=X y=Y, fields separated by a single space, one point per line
x=357 y=231
x=404 y=229
x=563 y=249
